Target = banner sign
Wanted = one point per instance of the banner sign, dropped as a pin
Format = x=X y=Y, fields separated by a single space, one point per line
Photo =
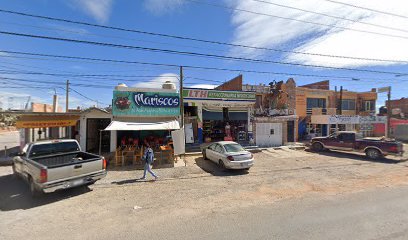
x=45 y=123
x=343 y=119
x=204 y=94
x=127 y=103
x=383 y=89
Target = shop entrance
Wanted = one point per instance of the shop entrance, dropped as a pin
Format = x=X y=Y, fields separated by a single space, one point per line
x=219 y=124
x=93 y=131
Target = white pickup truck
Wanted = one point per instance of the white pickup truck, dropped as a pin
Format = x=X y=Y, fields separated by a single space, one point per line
x=53 y=165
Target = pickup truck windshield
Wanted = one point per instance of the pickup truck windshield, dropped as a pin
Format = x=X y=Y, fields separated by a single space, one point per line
x=53 y=148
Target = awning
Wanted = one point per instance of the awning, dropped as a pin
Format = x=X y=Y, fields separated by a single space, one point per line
x=134 y=126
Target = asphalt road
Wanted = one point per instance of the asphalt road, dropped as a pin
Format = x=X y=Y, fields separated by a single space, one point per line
x=380 y=214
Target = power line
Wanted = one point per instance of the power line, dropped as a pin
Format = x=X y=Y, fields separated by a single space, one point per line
x=82 y=95
x=192 y=39
x=58 y=57
x=331 y=16
x=190 y=53
x=86 y=75
x=296 y=20
x=368 y=9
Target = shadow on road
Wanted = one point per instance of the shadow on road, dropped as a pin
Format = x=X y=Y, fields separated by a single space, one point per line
x=130 y=181
x=213 y=168
x=355 y=156
x=14 y=194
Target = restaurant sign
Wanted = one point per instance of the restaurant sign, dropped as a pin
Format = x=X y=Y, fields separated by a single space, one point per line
x=204 y=94
x=128 y=103
x=46 y=123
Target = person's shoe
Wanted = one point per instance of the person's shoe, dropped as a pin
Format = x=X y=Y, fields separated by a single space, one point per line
x=155 y=178
x=142 y=178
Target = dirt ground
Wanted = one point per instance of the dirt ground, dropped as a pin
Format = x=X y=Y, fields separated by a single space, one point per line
x=120 y=201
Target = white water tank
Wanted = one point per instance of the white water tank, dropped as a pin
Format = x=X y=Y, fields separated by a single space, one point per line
x=169 y=85
x=120 y=85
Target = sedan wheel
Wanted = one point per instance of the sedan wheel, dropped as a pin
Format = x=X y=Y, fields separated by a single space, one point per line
x=222 y=165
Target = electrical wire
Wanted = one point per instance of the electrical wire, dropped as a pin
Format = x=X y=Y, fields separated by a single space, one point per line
x=190 y=53
x=331 y=16
x=296 y=20
x=191 y=67
x=191 y=38
x=368 y=9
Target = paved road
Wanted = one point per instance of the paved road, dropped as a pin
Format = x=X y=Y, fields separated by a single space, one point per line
x=286 y=195
x=381 y=214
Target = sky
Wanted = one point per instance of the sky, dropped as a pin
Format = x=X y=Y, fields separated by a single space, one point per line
x=359 y=48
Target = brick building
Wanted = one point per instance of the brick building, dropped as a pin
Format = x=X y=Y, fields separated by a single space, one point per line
x=399 y=107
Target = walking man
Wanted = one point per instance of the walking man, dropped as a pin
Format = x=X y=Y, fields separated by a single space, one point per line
x=148 y=157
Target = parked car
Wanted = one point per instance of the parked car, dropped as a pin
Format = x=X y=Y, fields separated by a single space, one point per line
x=53 y=165
x=374 y=148
x=228 y=155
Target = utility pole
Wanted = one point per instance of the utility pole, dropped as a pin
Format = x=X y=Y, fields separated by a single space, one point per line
x=67 y=98
x=181 y=97
x=389 y=112
x=341 y=101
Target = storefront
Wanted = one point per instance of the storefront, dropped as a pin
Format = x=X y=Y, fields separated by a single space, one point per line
x=43 y=126
x=144 y=117
x=212 y=115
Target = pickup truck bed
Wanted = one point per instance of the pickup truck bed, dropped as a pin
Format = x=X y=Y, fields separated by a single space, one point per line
x=64 y=159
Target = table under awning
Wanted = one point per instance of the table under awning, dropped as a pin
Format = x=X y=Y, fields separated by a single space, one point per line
x=138 y=126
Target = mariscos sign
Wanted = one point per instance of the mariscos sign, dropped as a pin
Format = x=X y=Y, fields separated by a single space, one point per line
x=127 y=103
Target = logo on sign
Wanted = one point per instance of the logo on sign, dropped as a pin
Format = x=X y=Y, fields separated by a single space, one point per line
x=142 y=99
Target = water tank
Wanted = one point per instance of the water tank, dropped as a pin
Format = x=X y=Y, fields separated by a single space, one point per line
x=169 y=85
x=120 y=85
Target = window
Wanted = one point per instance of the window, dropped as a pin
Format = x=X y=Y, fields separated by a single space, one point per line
x=369 y=105
x=348 y=104
x=53 y=148
x=212 y=147
x=233 y=148
x=316 y=103
x=218 y=148
x=272 y=131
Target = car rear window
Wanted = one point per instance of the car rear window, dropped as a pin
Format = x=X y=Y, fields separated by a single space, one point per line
x=53 y=148
x=233 y=148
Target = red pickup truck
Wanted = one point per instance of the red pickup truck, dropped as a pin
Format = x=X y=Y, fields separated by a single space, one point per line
x=352 y=141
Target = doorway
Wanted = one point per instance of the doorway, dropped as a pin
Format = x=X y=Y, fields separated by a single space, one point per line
x=291 y=131
x=93 y=131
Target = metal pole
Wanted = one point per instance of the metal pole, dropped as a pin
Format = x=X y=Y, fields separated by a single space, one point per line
x=389 y=112
x=66 y=97
x=181 y=97
x=100 y=142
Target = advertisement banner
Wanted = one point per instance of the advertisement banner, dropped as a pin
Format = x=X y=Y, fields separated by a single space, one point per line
x=127 y=103
x=45 y=123
x=213 y=95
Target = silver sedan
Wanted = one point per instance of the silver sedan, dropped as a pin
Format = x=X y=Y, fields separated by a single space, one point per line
x=229 y=155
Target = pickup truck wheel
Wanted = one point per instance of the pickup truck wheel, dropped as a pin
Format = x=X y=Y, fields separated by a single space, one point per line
x=34 y=192
x=373 y=153
x=318 y=147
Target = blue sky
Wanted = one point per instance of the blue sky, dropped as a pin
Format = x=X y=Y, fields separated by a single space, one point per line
x=197 y=20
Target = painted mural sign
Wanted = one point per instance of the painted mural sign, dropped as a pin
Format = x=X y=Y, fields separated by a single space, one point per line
x=127 y=103
x=217 y=95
